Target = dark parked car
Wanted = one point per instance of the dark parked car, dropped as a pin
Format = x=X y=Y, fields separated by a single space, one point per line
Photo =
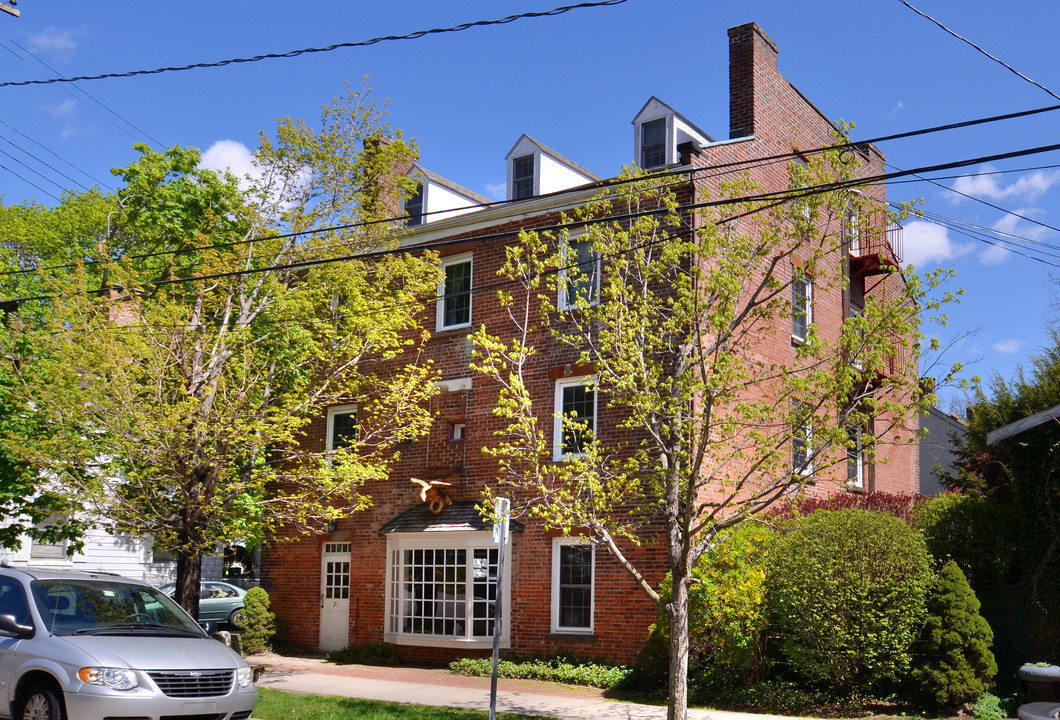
x=219 y=602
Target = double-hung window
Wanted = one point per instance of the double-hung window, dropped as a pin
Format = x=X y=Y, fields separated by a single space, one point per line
x=653 y=144
x=414 y=206
x=855 y=458
x=454 y=293
x=573 y=573
x=575 y=416
x=579 y=277
x=852 y=229
x=342 y=427
x=801 y=439
x=523 y=177
x=801 y=305
x=442 y=589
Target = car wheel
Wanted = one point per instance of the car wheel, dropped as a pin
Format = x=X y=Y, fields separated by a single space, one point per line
x=236 y=619
x=41 y=702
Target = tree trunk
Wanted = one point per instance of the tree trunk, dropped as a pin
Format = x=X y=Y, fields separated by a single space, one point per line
x=677 y=700
x=189 y=575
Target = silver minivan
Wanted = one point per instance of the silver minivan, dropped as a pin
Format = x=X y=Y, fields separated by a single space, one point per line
x=89 y=646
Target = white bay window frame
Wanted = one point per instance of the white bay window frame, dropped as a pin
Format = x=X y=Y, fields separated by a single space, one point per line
x=414 y=600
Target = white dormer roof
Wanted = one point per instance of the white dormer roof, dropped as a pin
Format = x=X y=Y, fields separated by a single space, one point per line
x=443 y=198
x=678 y=130
x=548 y=170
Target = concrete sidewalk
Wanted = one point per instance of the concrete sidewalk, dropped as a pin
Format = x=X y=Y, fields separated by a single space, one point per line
x=439 y=687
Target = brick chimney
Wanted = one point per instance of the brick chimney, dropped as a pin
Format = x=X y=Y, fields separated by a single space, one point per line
x=752 y=69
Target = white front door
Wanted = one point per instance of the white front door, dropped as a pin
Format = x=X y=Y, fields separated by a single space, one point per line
x=335 y=596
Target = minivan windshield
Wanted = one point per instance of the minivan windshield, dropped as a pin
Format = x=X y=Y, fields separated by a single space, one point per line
x=71 y=607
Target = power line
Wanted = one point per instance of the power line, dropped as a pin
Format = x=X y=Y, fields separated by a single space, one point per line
x=778 y=197
x=999 y=61
x=94 y=99
x=295 y=53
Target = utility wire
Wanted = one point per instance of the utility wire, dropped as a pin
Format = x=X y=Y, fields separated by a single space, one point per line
x=778 y=197
x=295 y=53
x=94 y=99
x=999 y=61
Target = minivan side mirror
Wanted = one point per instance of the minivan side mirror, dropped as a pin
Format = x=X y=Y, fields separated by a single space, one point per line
x=10 y=625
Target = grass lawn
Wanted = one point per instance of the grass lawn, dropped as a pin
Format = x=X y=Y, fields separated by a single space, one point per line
x=280 y=705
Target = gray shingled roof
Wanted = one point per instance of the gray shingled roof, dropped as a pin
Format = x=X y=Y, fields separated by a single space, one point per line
x=461 y=515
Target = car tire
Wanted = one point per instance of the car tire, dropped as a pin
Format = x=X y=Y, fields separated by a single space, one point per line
x=42 y=701
x=236 y=619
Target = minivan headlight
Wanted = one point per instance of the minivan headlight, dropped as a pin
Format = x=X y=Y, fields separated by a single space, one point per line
x=244 y=675
x=116 y=678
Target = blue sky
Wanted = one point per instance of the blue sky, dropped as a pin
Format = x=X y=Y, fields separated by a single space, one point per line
x=574 y=82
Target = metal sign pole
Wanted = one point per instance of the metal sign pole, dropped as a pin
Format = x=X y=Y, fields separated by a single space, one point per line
x=501 y=513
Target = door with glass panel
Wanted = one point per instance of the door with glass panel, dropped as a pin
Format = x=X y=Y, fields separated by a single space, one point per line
x=335 y=596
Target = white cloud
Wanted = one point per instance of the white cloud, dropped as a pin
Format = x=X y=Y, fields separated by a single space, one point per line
x=64 y=109
x=995 y=254
x=496 y=191
x=1008 y=347
x=987 y=186
x=53 y=38
x=927 y=243
x=895 y=111
x=232 y=156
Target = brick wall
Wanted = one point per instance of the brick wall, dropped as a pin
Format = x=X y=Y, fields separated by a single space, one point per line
x=774 y=118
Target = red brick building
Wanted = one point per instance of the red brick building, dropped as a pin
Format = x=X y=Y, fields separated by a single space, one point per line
x=425 y=582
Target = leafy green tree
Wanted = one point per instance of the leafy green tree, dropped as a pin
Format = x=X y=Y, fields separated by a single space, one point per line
x=670 y=332
x=954 y=664
x=727 y=614
x=847 y=590
x=976 y=532
x=177 y=366
x=30 y=504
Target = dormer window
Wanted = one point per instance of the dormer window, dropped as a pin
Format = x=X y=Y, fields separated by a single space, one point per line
x=653 y=144
x=414 y=206
x=658 y=132
x=523 y=177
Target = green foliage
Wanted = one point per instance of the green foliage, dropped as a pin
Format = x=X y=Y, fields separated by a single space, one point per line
x=992 y=707
x=727 y=615
x=975 y=531
x=954 y=663
x=671 y=345
x=556 y=669
x=365 y=654
x=257 y=621
x=847 y=592
x=175 y=364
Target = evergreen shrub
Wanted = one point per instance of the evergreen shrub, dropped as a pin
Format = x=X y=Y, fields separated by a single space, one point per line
x=257 y=622
x=954 y=663
x=847 y=592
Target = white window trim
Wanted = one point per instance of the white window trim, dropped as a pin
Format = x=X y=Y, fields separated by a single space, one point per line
x=557 y=426
x=536 y=179
x=857 y=454
x=852 y=229
x=450 y=540
x=423 y=203
x=446 y=262
x=669 y=152
x=807 y=429
x=332 y=412
x=562 y=301
x=809 y=304
x=557 y=543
